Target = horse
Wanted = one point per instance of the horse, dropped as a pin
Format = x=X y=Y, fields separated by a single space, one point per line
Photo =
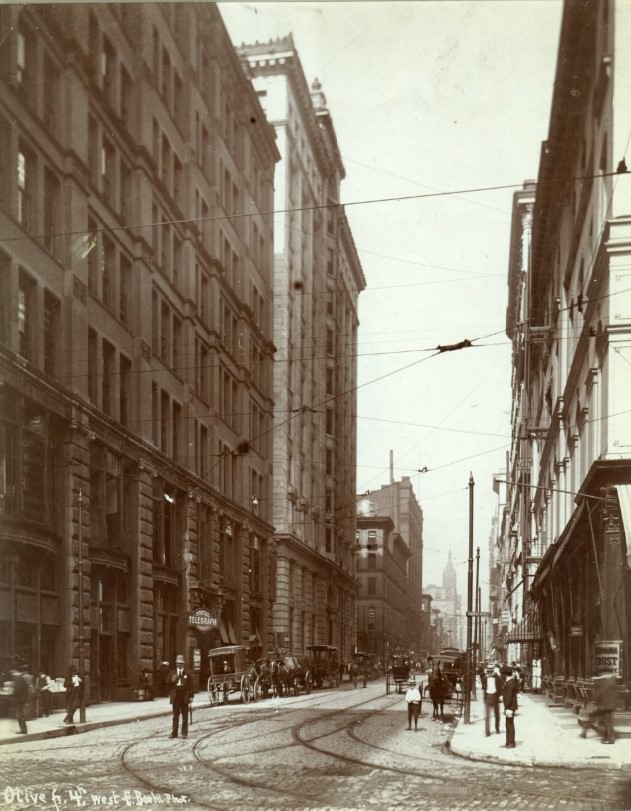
x=438 y=689
x=281 y=680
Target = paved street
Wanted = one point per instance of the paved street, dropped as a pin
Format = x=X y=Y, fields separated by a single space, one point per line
x=344 y=749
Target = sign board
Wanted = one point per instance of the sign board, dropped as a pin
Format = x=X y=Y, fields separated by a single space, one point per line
x=197 y=659
x=608 y=657
x=202 y=619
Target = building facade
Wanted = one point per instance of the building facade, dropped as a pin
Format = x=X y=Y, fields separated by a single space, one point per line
x=136 y=341
x=398 y=501
x=317 y=280
x=569 y=531
x=382 y=607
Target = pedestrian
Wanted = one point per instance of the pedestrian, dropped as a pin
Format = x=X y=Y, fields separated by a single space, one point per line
x=509 y=698
x=181 y=684
x=413 y=698
x=74 y=691
x=44 y=698
x=601 y=718
x=492 y=686
x=535 y=679
x=22 y=690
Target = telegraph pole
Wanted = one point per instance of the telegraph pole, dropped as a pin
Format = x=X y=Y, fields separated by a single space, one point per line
x=467 y=691
x=476 y=634
x=81 y=622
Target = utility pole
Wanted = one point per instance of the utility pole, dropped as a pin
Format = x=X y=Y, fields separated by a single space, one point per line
x=476 y=635
x=81 y=623
x=467 y=691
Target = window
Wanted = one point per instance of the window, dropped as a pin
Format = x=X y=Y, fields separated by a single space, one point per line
x=93 y=147
x=52 y=195
x=108 y=377
x=93 y=258
x=108 y=272
x=92 y=365
x=177 y=339
x=51 y=332
x=108 y=184
x=26 y=316
x=164 y=332
x=51 y=94
x=164 y=421
x=125 y=203
x=125 y=289
x=124 y=389
x=126 y=89
x=371 y=585
x=26 y=197
x=371 y=619
x=108 y=70
x=372 y=561
x=175 y=435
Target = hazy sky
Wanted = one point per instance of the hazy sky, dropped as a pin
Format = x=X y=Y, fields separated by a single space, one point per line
x=427 y=97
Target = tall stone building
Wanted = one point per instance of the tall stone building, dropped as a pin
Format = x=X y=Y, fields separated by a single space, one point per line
x=569 y=535
x=317 y=280
x=136 y=340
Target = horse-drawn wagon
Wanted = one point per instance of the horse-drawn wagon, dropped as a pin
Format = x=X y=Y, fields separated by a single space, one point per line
x=325 y=665
x=445 y=682
x=398 y=674
x=231 y=671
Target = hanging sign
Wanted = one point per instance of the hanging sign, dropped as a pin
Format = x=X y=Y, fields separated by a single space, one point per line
x=202 y=619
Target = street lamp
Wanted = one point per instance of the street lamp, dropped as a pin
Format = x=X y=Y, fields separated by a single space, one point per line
x=467 y=693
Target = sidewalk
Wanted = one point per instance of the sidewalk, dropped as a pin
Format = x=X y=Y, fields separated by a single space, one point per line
x=545 y=736
x=97 y=715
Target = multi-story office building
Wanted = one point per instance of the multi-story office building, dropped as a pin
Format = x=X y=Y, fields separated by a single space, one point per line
x=317 y=280
x=382 y=606
x=136 y=277
x=398 y=501
x=570 y=508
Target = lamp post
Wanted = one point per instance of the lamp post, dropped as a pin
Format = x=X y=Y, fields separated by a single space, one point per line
x=81 y=625
x=476 y=633
x=467 y=692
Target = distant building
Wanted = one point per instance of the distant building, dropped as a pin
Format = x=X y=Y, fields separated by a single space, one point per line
x=317 y=280
x=447 y=604
x=136 y=340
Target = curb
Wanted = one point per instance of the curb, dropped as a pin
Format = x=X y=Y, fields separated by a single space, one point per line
x=88 y=726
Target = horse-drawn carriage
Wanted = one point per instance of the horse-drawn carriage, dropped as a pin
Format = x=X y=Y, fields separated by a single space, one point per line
x=230 y=671
x=445 y=682
x=398 y=674
x=325 y=665
x=282 y=676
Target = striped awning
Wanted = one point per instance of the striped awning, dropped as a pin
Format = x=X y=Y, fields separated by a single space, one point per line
x=526 y=630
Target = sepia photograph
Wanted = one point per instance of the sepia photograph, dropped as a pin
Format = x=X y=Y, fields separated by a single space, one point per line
x=315 y=405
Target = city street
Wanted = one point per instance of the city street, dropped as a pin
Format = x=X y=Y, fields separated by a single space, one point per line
x=342 y=749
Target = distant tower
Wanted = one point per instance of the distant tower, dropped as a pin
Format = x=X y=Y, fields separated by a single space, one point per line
x=449 y=579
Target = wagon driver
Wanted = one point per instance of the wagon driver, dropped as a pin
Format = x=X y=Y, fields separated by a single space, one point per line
x=181 y=690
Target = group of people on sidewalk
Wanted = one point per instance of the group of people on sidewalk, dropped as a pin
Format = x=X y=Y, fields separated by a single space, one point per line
x=501 y=686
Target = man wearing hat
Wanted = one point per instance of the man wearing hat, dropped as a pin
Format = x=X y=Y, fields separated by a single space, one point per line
x=413 y=698
x=181 y=691
x=509 y=697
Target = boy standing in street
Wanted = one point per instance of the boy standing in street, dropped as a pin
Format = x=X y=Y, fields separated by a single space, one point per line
x=413 y=698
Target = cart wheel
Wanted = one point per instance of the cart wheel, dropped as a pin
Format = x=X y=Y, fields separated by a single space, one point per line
x=388 y=685
x=245 y=689
x=308 y=682
x=213 y=694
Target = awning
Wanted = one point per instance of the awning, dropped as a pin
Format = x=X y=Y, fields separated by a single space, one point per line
x=528 y=629
x=231 y=634
x=223 y=633
x=624 y=498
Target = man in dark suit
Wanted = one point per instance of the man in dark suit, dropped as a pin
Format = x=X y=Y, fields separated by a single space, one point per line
x=181 y=691
x=509 y=698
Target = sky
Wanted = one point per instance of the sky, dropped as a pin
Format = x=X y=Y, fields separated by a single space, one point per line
x=437 y=102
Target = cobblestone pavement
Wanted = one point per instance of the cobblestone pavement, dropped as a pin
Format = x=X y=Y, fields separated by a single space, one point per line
x=345 y=749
